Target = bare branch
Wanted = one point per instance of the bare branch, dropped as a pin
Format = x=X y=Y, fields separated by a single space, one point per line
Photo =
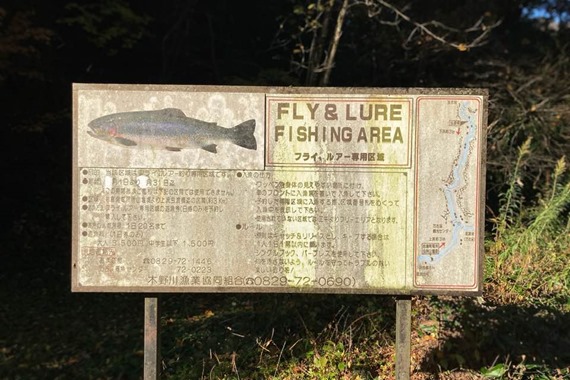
x=329 y=62
x=424 y=28
x=316 y=40
x=529 y=83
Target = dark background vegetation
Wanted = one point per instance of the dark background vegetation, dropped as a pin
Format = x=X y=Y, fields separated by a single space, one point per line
x=47 y=332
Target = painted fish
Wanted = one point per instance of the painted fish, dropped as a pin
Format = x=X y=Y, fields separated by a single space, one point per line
x=169 y=129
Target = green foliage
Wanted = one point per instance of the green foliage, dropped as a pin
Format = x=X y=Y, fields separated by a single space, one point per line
x=510 y=200
x=22 y=43
x=520 y=371
x=494 y=372
x=109 y=24
x=530 y=101
x=529 y=256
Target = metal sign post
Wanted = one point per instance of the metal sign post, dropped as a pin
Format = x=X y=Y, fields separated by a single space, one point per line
x=403 y=336
x=151 y=339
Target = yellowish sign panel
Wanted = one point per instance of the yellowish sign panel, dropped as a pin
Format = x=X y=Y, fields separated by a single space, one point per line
x=232 y=189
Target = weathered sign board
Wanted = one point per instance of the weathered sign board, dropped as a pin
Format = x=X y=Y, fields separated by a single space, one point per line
x=259 y=189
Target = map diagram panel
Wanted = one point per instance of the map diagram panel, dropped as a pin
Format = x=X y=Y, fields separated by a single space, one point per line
x=448 y=187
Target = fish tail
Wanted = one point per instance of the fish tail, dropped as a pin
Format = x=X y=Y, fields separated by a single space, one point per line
x=242 y=135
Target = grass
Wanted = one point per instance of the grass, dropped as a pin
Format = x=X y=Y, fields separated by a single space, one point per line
x=99 y=336
x=279 y=336
x=49 y=333
x=529 y=253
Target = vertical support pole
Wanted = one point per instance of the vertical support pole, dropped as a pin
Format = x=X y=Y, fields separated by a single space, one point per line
x=403 y=336
x=151 y=339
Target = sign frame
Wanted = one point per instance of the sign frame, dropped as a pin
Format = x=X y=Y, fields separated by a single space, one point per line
x=296 y=93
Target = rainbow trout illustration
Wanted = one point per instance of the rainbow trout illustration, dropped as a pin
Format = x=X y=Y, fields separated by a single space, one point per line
x=169 y=129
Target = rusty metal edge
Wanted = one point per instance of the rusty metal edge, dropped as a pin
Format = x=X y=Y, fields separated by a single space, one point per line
x=75 y=190
x=282 y=290
x=483 y=193
x=284 y=90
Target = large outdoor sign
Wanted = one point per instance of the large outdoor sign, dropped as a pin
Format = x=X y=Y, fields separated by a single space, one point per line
x=258 y=189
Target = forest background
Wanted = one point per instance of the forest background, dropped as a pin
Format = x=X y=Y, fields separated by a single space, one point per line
x=519 y=50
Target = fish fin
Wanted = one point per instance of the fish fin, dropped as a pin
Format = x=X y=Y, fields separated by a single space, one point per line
x=173 y=149
x=124 y=141
x=210 y=148
x=242 y=135
x=172 y=112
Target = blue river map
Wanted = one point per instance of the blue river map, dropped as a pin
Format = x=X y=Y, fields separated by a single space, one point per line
x=447 y=225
